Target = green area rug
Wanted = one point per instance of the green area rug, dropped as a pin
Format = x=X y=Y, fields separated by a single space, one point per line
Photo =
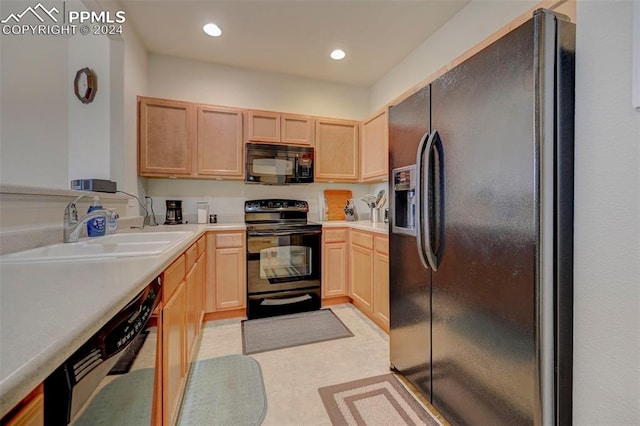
x=126 y=400
x=228 y=390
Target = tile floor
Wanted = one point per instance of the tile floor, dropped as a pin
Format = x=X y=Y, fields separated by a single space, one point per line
x=292 y=376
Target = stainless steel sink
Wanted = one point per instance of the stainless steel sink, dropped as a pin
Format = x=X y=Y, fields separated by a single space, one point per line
x=109 y=246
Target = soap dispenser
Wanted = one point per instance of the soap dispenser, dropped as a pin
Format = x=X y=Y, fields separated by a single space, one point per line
x=96 y=226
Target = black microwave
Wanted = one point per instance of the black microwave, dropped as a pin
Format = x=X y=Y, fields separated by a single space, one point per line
x=278 y=164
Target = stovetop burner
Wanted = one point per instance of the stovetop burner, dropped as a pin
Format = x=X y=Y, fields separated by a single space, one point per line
x=277 y=216
x=274 y=228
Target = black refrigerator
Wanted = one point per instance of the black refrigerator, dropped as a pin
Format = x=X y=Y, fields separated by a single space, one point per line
x=481 y=231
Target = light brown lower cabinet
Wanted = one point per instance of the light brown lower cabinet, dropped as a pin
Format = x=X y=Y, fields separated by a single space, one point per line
x=381 y=281
x=369 y=265
x=178 y=329
x=174 y=357
x=335 y=252
x=29 y=412
x=226 y=288
x=361 y=254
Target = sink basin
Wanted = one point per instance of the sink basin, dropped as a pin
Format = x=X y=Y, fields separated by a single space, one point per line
x=116 y=245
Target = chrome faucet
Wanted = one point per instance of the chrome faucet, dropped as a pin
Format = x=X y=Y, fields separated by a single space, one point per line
x=74 y=226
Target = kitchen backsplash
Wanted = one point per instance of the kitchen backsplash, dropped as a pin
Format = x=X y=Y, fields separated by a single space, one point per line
x=31 y=217
x=226 y=198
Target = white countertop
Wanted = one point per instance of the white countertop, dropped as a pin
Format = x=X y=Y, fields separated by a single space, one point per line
x=49 y=309
x=364 y=225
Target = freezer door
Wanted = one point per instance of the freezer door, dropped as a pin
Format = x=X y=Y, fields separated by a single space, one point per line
x=484 y=304
x=409 y=281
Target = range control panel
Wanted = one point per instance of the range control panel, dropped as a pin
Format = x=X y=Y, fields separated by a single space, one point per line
x=253 y=206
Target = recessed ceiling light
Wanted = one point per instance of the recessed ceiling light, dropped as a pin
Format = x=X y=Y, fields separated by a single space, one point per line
x=338 y=54
x=212 y=29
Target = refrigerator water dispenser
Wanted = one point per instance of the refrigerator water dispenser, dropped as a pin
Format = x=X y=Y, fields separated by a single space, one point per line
x=403 y=205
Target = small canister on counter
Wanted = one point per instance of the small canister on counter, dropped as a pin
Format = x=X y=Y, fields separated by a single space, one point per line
x=203 y=211
x=213 y=218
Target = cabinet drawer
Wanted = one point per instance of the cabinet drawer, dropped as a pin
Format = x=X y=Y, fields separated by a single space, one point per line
x=335 y=235
x=382 y=244
x=173 y=276
x=202 y=245
x=362 y=239
x=190 y=256
x=229 y=240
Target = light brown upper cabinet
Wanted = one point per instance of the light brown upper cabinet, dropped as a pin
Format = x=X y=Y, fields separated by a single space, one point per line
x=275 y=127
x=166 y=137
x=374 y=148
x=336 y=150
x=220 y=145
x=183 y=139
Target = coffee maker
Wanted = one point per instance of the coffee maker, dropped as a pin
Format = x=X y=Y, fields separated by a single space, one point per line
x=174 y=212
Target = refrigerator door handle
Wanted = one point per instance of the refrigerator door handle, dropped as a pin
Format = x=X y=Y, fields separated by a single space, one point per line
x=419 y=197
x=431 y=256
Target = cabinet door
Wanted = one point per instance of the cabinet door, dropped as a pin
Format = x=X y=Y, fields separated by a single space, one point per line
x=374 y=149
x=210 y=274
x=334 y=270
x=220 y=143
x=230 y=278
x=336 y=155
x=174 y=364
x=201 y=267
x=192 y=314
x=296 y=129
x=381 y=286
x=362 y=277
x=167 y=131
x=263 y=126
x=381 y=281
x=30 y=414
x=335 y=266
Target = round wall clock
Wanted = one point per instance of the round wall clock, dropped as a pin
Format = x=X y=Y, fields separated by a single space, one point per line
x=85 y=85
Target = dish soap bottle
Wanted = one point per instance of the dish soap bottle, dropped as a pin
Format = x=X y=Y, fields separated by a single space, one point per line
x=96 y=225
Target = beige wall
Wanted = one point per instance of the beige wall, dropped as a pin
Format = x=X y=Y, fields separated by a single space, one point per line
x=473 y=23
x=607 y=220
x=223 y=85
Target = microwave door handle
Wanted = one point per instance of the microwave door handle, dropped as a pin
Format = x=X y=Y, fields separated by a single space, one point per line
x=418 y=199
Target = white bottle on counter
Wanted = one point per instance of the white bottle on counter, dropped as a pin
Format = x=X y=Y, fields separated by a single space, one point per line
x=203 y=211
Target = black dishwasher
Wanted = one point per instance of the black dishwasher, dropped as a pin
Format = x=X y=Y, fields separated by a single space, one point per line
x=72 y=383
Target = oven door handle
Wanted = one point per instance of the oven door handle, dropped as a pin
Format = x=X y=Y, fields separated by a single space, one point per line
x=280 y=234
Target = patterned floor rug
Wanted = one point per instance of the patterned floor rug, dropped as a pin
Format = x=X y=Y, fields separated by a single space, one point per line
x=286 y=331
x=375 y=401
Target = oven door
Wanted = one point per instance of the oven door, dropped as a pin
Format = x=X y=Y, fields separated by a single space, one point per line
x=283 y=272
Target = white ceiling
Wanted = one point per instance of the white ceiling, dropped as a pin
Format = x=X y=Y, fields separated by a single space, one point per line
x=295 y=36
